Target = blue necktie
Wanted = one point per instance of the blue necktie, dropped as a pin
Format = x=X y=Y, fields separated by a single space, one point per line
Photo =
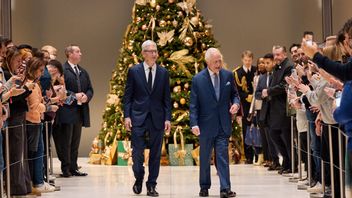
x=216 y=86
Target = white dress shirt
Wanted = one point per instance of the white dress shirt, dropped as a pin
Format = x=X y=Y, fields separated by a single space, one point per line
x=146 y=71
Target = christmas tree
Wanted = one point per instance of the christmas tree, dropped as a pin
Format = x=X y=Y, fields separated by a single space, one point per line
x=182 y=37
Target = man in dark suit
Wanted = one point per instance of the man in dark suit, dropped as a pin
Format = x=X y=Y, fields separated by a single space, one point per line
x=279 y=122
x=72 y=116
x=244 y=75
x=147 y=112
x=214 y=99
x=263 y=115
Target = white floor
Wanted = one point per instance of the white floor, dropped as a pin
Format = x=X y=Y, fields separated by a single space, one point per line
x=117 y=181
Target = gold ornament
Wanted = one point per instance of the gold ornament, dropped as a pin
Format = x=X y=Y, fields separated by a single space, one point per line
x=138 y=19
x=124 y=60
x=157 y=7
x=165 y=37
x=187 y=5
x=166 y=54
x=204 y=46
x=181 y=59
x=175 y=105
x=173 y=67
x=171 y=1
x=121 y=68
x=169 y=22
x=176 y=89
x=182 y=101
x=188 y=41
x=162 y=23
x=178 y=82
x=174 y=23
x=152 y=3
x=207 y=32
x=144 y=27
x=186 y=85
x=196 y=35
x=179 y=13
x=195 y=20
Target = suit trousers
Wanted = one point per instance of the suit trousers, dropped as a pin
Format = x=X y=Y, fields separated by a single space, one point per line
x=282 y=140
x=143 y=136
x=67 y=138
x=220 y=144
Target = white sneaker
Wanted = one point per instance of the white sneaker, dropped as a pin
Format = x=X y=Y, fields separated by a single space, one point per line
x=303 y=182
x=318 y=188
x=44 y=188
x=51 y=178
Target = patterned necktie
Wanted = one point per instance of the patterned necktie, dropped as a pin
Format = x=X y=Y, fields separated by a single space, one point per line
x=216 y=86
x=77 y=79
x=150 y=79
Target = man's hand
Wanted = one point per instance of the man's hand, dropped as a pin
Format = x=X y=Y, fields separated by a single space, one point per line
x=54 y=108
x=300 y=70
x=303 y=88
x=318 y=125
x=167 y=127
x=330 y=92
x=234 y=108
x=314 y=109
x=84 y=98
x=128 y=124
x=264 y=93
x=308 y=49
x=196 y=131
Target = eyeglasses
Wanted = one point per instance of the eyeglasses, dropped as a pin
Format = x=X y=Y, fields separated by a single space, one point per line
x=151 y=51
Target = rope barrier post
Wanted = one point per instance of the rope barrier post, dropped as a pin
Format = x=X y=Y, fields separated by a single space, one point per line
x=1 y=183
x=341 y=167
x=292 y=178
x=7 y=156
x=292 y=147
x=51 y=152
x=309 y=155
x=299 y=157
x=331 y=164
x=47 y=151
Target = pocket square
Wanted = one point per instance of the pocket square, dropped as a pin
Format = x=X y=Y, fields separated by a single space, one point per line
x=228 y=83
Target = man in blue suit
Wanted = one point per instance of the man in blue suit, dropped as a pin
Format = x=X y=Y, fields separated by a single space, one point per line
x=214 y=99
x=147 y=112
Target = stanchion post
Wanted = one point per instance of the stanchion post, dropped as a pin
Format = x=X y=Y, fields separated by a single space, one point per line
x=7 y=155
x=47 y=151
x=331 y=163
x=341 y=167
x=299 y=156
x=309 y=156
x=292 y=148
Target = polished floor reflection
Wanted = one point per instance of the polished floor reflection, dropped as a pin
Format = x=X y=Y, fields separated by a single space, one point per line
x=116 y=181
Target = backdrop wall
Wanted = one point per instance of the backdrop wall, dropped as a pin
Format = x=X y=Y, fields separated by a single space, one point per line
x=98 y=28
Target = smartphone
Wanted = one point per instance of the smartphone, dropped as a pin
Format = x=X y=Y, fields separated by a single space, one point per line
x=309 y=42
x=18 y=83
x=338 y=101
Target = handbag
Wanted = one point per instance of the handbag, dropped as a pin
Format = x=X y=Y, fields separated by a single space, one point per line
x=180 y=154
x=253 y=137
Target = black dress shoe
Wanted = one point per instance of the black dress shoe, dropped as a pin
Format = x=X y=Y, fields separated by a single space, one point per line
x=137 y=187
x=203 y=192
x=227 y=193
x=152 y=192
x=78 y=173
x=66 y=174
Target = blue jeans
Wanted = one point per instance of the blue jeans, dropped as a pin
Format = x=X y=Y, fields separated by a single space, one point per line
x=315 y=146
x=38 y=163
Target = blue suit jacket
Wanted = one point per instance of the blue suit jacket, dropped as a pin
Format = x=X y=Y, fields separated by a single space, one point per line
x=205 y=111
x=138 y=100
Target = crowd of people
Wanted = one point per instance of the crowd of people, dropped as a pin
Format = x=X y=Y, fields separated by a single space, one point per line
x=36 y=91
x=313 y=87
